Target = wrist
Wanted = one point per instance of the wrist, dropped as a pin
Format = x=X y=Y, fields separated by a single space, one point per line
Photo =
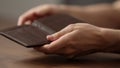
x=112 y=37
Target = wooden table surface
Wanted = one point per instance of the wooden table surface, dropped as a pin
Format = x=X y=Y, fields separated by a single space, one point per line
x=13 y=55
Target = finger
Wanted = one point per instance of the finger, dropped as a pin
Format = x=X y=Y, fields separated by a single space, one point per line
x=56 y=45
x=28 y=23
x=42 y=49
x=34 y=14
x=67 y=51
x=62 y=32
x=26 y=17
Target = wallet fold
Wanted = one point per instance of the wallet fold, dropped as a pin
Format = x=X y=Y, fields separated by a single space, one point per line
x=35 y=34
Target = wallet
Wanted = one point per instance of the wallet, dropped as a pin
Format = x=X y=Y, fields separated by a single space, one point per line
x=35 y=34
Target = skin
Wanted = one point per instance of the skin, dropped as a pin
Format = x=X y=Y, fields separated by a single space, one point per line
x=101 y=34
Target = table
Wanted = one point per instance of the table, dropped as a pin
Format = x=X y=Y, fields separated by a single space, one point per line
x=12 y=55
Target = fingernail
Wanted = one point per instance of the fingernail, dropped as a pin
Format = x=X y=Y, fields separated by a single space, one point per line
x=18 y=24
x=50 y=37
x=28 y=23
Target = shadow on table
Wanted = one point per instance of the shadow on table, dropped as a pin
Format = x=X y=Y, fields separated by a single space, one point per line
x=96 y=61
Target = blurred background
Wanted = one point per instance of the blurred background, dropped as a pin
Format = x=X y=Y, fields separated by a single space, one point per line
x=10 y=10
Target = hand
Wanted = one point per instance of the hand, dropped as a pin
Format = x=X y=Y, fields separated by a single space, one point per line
x=40 y=11
x=76 y=39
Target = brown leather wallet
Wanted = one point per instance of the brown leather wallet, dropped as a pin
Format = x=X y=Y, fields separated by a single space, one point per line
x=35 y=34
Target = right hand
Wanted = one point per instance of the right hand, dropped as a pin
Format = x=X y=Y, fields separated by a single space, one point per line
x=39 y=11
x=79 y=39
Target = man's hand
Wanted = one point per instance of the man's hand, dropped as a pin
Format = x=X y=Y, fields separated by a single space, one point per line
x=103 y=15
x=76 y=39
x=39 y=11
x=80 y=38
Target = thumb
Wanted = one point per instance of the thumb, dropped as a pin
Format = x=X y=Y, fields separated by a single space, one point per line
x=60 y=33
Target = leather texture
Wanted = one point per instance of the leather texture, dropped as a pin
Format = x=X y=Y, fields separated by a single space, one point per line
x=35 y=34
